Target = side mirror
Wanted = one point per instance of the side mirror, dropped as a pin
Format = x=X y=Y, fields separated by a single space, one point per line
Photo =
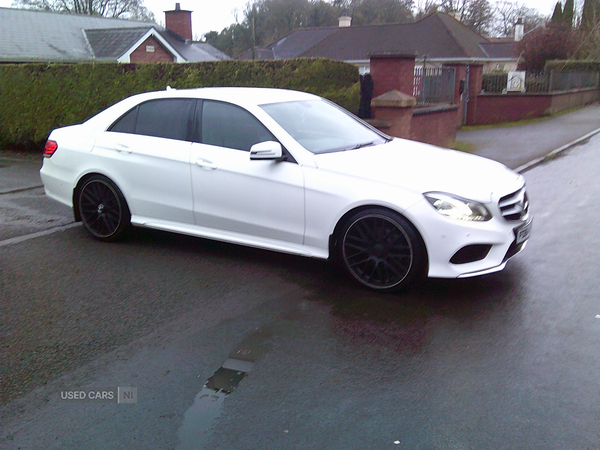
x=268 y=150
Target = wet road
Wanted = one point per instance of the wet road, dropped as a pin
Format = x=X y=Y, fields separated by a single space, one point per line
x=518 y=144
x=232 y=348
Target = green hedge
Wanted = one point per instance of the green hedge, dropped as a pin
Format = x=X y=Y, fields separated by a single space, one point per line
x=573 y=66
x=36 y=98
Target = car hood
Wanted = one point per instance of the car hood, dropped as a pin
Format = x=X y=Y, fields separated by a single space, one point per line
x=423 y=168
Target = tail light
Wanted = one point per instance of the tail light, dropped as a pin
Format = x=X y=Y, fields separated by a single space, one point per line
x=50 y=148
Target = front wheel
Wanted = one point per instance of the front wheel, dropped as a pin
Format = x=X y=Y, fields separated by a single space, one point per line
x=103 y=209
x=380 y=249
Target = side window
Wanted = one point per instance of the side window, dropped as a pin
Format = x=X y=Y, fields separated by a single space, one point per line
x=168 y=118
x=126 y=124
x=227 y=125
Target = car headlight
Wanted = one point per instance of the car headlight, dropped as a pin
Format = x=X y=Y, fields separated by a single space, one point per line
x=457 y=207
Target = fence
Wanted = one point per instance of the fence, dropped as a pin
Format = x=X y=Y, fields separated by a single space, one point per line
x=434 y=85
x=544 y=81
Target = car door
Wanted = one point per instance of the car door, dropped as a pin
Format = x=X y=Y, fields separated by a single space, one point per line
x=149 y=153
x=256 y=198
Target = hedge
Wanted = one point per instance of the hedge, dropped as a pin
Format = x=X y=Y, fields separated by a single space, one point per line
x=573 y=66
x=36 y=98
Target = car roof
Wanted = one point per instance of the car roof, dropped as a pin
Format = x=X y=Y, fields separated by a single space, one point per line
x=244 y=96
x=238 y=95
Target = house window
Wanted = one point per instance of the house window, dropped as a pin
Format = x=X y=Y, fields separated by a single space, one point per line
x=149 y=48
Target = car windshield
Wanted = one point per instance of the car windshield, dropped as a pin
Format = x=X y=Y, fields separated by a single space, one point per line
x=321 y=127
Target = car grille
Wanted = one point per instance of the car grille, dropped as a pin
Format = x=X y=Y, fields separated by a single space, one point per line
x=514 y=206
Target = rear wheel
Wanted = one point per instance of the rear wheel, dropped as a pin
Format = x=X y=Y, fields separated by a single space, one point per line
x=380 y=249
x=103 y=209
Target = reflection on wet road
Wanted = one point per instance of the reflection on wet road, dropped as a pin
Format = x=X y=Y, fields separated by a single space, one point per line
x=199 y=420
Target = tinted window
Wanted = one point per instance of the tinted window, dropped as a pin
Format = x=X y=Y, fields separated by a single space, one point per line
x=126 y=124
x=230 y=126
x=169 y=118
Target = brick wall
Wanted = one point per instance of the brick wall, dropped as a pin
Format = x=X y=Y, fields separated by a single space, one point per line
x=497 y=108
x=143 y=55
x=435 y=125
x=393 y=102
x=392 y=73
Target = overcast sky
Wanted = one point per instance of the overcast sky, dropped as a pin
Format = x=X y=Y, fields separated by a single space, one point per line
x=214 y=15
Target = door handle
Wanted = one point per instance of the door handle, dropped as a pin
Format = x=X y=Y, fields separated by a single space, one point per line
x=205 y=164
x=122 y=148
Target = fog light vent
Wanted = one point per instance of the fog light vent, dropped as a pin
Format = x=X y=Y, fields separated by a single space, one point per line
x=471 y=253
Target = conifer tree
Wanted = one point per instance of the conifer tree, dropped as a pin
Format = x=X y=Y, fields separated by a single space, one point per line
x=557 y=15
x=568 y=13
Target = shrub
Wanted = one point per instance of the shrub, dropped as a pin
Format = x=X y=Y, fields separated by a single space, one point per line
x=36 y=98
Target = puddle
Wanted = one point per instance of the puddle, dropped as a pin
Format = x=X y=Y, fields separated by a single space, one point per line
x=199 y=419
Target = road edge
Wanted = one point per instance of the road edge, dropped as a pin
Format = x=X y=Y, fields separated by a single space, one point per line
x=531 y=164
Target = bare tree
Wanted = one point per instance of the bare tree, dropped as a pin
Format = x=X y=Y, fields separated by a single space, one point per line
x=506 y=14
x=125 y=9
x=425 y=7
x=476 y=14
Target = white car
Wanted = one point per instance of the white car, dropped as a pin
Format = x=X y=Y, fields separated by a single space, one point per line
x=291 y=172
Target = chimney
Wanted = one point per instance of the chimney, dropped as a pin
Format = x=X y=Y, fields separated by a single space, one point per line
x=179 y=21
x=345 y=21
x=519 y=30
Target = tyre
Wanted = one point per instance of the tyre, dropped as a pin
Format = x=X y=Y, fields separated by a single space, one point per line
x=380 y=249
x=103 y=209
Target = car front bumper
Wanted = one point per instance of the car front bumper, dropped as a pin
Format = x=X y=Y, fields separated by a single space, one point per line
x=459 y=249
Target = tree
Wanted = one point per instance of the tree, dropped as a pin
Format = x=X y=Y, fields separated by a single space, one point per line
x=476 y=14
x=590 y=14
x=233 y=40
x=268 y=20
x=589 y=28
x=425 y=7
x=568 y=13
x=557 y=15
x=553 y=41
x=376 y=12
x=125 y=9
x=507 y=13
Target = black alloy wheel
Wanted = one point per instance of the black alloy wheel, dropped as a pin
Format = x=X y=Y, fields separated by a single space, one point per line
x=103 y=209
x=381 y=250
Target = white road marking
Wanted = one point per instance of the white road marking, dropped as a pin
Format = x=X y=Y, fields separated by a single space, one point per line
x=19 y=239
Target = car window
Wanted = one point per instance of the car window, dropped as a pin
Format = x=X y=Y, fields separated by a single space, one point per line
x=227 y=125
x=126 y=124
x=321 y=127
x=166 y=118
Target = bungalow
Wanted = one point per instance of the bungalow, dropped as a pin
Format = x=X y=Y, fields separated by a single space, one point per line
x=435 y=40
x=41 y=36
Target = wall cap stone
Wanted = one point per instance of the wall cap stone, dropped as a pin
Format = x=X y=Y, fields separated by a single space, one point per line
x=434 y=109
x=394 y=99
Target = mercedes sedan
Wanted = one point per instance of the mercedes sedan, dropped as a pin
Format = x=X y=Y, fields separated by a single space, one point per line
x=291 y=172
